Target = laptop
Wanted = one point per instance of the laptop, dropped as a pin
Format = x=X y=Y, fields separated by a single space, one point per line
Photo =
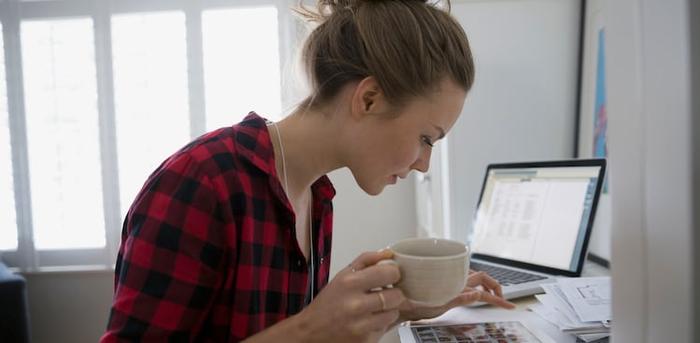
x=533 y=221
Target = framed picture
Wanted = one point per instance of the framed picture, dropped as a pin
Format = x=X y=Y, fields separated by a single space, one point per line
x=593 y=120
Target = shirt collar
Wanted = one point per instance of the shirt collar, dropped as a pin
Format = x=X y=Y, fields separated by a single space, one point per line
x=254 y=144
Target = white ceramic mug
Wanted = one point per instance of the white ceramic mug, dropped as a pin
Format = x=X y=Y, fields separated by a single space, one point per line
x=433 y=270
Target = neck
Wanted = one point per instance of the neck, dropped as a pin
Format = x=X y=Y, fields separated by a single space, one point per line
x=309 y=149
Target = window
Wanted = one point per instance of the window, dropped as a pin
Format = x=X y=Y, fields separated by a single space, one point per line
x=233 y=88
x=60 y=92
x=103 y=94
x=150 y=88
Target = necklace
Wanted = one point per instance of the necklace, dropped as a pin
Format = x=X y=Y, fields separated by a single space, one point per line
x=286 y=190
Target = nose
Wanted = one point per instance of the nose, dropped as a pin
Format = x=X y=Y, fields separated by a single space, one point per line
x=422 y=163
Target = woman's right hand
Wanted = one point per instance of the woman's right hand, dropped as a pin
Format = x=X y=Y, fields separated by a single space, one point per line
x=347 y=310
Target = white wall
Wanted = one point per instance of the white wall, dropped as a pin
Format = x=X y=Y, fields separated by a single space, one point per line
x=365 y=223
x=523 y=104
x=69 y=306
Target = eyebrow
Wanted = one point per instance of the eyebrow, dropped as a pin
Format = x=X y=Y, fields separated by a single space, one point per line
x=442 y=132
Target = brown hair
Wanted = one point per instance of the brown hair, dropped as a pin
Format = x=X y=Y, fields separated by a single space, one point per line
x=409 y=46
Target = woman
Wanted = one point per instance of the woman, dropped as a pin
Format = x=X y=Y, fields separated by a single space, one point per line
x=230 y=237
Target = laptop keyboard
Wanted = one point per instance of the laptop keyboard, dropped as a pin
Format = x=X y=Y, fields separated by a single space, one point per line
x=505 y=276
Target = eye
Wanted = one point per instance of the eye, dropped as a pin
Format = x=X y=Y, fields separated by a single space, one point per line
x=427 y=141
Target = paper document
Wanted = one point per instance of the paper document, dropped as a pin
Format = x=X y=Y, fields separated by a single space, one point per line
x=564 y=318
x=556 y=299
x=580 y=306
x=592 y=336
x=589 y=297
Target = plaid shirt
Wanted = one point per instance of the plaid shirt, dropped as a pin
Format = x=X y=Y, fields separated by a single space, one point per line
x=209 y=250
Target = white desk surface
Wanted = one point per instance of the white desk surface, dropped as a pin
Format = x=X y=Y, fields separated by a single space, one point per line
x=491 y=313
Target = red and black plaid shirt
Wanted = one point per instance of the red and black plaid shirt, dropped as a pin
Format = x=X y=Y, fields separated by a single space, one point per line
x=209 y=250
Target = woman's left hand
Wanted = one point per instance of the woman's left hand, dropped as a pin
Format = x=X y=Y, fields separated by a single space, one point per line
x=480 y=287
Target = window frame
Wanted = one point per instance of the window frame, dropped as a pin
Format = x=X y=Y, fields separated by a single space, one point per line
x=12 y=12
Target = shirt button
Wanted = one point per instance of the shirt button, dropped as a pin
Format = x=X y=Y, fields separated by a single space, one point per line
x=298 y=263
x=321 y=260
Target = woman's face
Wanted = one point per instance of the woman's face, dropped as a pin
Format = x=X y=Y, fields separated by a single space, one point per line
x=388 y=146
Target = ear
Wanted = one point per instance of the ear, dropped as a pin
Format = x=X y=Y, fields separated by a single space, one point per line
x=368 y=98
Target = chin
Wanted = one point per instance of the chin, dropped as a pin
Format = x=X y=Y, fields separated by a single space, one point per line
x=375 y=191
x=370 y=185
x=371 y=188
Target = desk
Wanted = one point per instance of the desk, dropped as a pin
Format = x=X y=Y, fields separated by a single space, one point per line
x=520 y=313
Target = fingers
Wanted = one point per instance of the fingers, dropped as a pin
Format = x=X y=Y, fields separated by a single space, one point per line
x=369 y=258
x=486 y=281
x=384 y=310
x=376 y=276
x=365 y=272
x=496 y=300
x=388 y=299
x=478 y=295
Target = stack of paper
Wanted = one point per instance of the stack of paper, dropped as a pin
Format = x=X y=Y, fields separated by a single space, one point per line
x=580 y=306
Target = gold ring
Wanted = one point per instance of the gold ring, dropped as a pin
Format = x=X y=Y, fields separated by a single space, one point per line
x=381 y=298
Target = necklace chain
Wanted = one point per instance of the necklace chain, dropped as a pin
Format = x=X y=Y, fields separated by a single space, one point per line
x=286 y=190
x=284 y=162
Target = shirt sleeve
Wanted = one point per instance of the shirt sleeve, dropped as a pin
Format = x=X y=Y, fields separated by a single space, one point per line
x=170 y=261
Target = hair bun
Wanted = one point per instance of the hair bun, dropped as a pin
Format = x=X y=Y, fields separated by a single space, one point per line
x=326 y=8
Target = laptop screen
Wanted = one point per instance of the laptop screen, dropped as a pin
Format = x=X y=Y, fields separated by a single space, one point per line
x=538 y=214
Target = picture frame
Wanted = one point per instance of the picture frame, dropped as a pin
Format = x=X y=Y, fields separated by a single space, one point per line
x=592 y=132
x=592 y=139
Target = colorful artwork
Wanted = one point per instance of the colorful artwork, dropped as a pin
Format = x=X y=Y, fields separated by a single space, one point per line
x=600 y=116
x=497 y=332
